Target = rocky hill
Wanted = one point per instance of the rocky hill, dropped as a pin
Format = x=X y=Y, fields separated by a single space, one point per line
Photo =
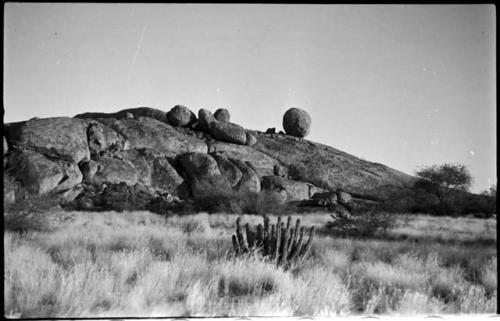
x=177 y=155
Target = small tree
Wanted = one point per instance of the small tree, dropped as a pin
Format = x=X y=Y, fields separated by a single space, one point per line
x=444 y=180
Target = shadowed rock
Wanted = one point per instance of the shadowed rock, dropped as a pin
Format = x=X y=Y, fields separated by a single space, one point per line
x=205 y=118
x=222 y=114
x=228 y=169
x=41 y=175
x=154 y=170
x=325 y=199
x=250 y=182
x=181 y=116
x=125 y=113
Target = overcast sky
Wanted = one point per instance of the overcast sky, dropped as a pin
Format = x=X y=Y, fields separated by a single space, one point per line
x=403 y=85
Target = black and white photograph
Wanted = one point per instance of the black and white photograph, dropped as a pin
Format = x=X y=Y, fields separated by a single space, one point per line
x=185 y=160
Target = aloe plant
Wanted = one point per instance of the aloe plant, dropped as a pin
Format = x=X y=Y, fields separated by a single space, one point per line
x=283 y=245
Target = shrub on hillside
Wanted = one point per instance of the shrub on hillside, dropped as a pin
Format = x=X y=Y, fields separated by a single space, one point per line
x=367 y=224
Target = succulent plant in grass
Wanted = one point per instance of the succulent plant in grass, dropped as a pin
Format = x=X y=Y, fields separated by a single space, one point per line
x=283 y=245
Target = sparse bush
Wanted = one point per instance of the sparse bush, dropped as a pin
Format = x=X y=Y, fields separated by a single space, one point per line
x=198 y=224
x=367 y=224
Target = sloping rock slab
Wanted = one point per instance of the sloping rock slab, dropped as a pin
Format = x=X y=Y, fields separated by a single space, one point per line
x=331 y=169
x=260 y=162
x=296 y=191
x=151 y=133
x=136 y=112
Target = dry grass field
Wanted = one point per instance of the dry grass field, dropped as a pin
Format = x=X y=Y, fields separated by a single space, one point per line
x=112 y=264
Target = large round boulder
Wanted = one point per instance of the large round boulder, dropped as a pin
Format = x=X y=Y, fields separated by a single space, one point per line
x=205 y=118
x=198 y=165
x=222 y=114
x=181 y=116
x=296 y=122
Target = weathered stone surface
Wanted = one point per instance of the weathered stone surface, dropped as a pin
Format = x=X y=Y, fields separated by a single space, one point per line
x=115 y=171
x=228 y=169
x=71 y=176
x=296 y=191
x=154 y=170
x=331 y=169
x=250 y=182
x=41 y=175
x=228 y=132
x=89 y=169
x=125 y=113
x=101 y=137
x=205 y=177
x=222 y=114
x=262 y=163
x=325 y=199
x=280 y=170
x=181 y=116
x=205 y=119
x=59 y=137
x=296 y=122
x=251 y=139
x=147 y=132
x=198 y=165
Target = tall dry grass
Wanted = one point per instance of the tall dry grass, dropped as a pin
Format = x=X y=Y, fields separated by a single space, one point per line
x=141 y=264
